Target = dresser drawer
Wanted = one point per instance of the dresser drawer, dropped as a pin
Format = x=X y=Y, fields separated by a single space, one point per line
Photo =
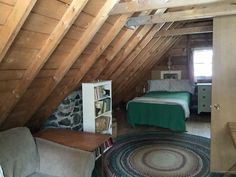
x=204 y=107
x=204 y=90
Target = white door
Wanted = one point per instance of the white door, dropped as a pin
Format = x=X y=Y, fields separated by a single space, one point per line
x=223 y=152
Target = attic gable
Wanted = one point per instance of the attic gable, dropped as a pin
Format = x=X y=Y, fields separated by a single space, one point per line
x=45 y=54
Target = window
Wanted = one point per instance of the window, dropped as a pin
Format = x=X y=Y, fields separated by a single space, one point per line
x=202 y=63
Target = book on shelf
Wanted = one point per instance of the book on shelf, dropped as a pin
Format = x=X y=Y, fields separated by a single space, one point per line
x=100 y=92
x=102 y=106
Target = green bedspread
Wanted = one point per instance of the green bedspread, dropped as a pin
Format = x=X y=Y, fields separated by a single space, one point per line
x=163 y=115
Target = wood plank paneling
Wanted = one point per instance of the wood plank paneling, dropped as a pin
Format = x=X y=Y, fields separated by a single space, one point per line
x=9 y=2
x=146 y=53
x=124 y=52
x=83 y=20
x=140 y=73
x=39 y=23
x=30 y=40
x=179 y=54
x=97 y=22
x=50 y=44
x=8 y=85
x=55 y=60
x=18 y=58
x=89 y=8
x=11 y=75
x=109 y=54
x=56 y=10
x=136 y=51
x=13 y=24
x=5 y=11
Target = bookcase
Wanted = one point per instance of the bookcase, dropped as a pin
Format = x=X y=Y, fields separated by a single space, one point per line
x=97 y=107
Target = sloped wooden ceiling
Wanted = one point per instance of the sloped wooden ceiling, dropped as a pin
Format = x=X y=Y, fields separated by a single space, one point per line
x=48 y=48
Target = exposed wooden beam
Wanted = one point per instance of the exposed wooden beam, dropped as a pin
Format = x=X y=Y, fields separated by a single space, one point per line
x=142 y=5
x=72 y=83
x=108 y=55
x=185 y=31
x=13 y=24
x=51 y=43
x=193 y=14
x=140 y=72
x=103 y=61
x=74 y=54
x=150 y=49
x=127 y=50
x=124 y=52
x=139 y=49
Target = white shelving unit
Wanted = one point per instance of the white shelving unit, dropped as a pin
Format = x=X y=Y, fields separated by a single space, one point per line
x=97 y=107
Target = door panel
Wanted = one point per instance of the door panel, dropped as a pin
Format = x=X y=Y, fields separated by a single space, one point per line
x=223 y=153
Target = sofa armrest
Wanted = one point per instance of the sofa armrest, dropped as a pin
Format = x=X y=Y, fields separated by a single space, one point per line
x=63 y=161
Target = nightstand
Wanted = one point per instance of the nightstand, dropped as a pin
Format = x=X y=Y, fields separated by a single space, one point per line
x=204 y=97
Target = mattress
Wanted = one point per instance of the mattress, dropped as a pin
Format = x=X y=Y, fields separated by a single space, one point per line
x=163 y=109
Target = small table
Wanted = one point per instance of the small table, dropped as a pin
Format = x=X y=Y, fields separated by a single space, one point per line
x=92 y=142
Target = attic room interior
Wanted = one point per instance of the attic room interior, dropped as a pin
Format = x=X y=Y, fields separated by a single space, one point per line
x=117 y=88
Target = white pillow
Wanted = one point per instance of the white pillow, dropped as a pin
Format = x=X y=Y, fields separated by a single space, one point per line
x=159 y=85
x=1 y=172
x=181 y=85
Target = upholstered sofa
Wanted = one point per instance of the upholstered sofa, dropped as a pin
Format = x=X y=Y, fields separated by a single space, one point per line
x=21 y=155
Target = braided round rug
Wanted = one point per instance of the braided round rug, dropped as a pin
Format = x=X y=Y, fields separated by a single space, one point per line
x=158 y=154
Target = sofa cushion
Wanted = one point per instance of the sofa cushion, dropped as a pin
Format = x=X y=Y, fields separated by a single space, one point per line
x=18 y=153
x=40 y=175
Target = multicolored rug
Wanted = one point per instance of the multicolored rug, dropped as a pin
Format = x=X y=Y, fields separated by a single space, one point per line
x=158 y=154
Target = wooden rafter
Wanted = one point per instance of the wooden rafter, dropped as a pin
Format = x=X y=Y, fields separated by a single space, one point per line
x=136 y=52
x=97 y=69
x=136 y=64
x=185 y=31
x=13 y=24
x=128 y=48
x=109 y=55
x=52 y=102
x=74 y=54
x=124 y=52
x=221 y=9
x=142 y=5
x=154 y=45
x=51 y=43
x=140 y=73
x=148 y=65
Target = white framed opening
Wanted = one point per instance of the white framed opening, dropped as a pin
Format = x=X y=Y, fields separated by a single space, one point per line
x=202 y=63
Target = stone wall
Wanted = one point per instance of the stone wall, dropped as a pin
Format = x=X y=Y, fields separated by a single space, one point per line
x=68 y=114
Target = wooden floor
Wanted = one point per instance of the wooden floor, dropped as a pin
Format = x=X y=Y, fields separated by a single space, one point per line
x=196 y=124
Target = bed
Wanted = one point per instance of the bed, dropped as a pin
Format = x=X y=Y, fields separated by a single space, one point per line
x=167 y=108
